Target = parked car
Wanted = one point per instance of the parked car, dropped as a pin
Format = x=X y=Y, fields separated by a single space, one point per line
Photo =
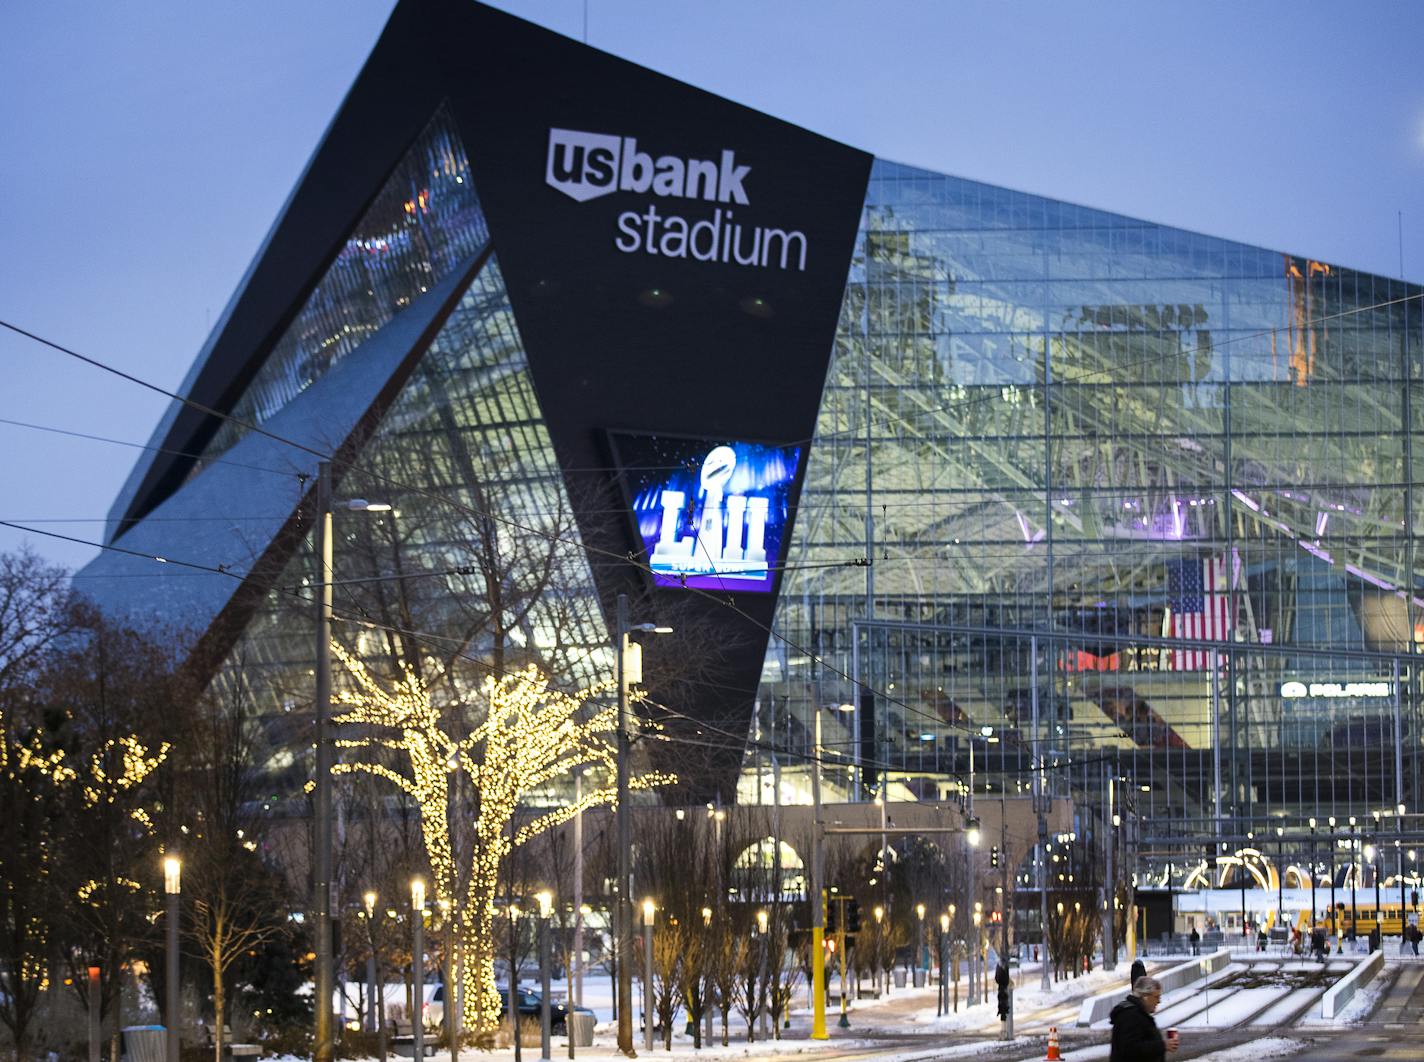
x=527 y=1002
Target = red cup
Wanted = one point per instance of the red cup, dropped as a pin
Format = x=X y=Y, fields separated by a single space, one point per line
x=1172 y=1036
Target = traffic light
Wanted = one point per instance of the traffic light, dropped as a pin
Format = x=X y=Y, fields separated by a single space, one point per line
x=994 y=856
x=853 y=916
x=833 y=917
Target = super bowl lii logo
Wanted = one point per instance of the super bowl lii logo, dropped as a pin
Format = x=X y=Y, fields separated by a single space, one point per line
x=730 y=530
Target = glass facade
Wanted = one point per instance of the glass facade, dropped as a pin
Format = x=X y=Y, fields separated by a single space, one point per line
x=425 y=219
x=479 y=565
x=1067 y=440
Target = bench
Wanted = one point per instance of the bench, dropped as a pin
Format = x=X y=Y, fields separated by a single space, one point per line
x=230 y=1049
x=403 y=1040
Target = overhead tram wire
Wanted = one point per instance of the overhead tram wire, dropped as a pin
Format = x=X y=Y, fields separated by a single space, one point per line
x=1067 y=763
x=610 y=554
x=142 y=446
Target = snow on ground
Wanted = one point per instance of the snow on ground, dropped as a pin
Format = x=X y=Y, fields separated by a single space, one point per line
x=1270 y=1047
x=1289 y=1005
x=1235 y=1008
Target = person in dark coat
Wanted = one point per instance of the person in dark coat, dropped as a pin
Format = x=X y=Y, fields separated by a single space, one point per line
x=1001 y=978
x=1135 y=1036
x=1196 y=940
x=1139 y=969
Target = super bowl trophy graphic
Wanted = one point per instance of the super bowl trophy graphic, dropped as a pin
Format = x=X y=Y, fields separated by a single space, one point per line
x=730 y=537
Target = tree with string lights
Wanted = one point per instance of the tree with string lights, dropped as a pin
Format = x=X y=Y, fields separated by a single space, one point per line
x=526 y=735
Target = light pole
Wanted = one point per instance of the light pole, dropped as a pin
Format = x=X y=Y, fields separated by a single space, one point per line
x=324 y=1048
x=954 y=962
x=707 y=1032
x=417 y=963
x=920 y=960
x=818 y=888
x=1354 y=881
x=1313 y=907
x=630 y=670
x=942 y=996
x=972 y=836
x=172 y=886
x=879 y=944
x=649 y=913
x=378 y=981
x=1372 y=853
x=545 y=900
x=978 y=959
x=94 y=1005
x=1334 y=927
x=765 y=966
x=513 y=1006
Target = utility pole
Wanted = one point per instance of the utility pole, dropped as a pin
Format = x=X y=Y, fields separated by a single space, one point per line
x=325 y=1045
x=625 y=848
x=818 y=899
x=630 y=670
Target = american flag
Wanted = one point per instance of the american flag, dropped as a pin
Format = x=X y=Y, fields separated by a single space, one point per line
x=1199 y=595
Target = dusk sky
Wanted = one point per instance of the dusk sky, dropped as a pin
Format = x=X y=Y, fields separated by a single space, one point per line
x=146 y=147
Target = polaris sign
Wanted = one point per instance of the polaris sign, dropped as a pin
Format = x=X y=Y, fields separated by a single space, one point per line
x=1335 y=690
x=587 y=166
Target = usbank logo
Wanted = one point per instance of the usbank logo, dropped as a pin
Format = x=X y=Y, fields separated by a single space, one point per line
x=585 y=166
x=588 y=166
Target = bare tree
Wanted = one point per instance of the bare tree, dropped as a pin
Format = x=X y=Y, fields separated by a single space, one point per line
x=236 y=901
x=33 y=614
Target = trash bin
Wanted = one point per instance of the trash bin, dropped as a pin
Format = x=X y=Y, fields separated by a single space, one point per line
x=900 y=978
x=580 y=1028
x=919 y=977
x=145 y=1043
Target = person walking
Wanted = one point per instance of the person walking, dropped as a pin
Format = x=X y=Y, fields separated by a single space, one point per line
x=1135 y=1036
x=1196 y=940
x=1001 y=978
x=1139 y=969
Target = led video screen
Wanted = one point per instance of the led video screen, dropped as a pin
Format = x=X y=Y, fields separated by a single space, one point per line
x=711 y=514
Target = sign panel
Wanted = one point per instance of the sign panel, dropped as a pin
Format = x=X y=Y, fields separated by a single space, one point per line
x=710 y=514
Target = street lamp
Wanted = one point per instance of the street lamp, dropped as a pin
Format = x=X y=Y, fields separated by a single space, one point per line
x=818 y=905
x=1334 y=927
x=762 y=923
x=942 y=996
x=977 y=962
x=172 y=886
x=955 y=959
x=630 y=670
x=707 y=1030
x=417 y=963
x=1354 y=881
x=377 y=979
x=649 y=913
x=324 y=1048
x=920 y=957
x=545 y=899
x=1313 y=907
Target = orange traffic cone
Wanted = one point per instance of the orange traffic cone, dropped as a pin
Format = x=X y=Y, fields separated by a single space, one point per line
x=1053 y=1055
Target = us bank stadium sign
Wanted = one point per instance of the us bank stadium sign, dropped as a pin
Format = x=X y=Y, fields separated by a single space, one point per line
x=586 y=166
x=1336 y=690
